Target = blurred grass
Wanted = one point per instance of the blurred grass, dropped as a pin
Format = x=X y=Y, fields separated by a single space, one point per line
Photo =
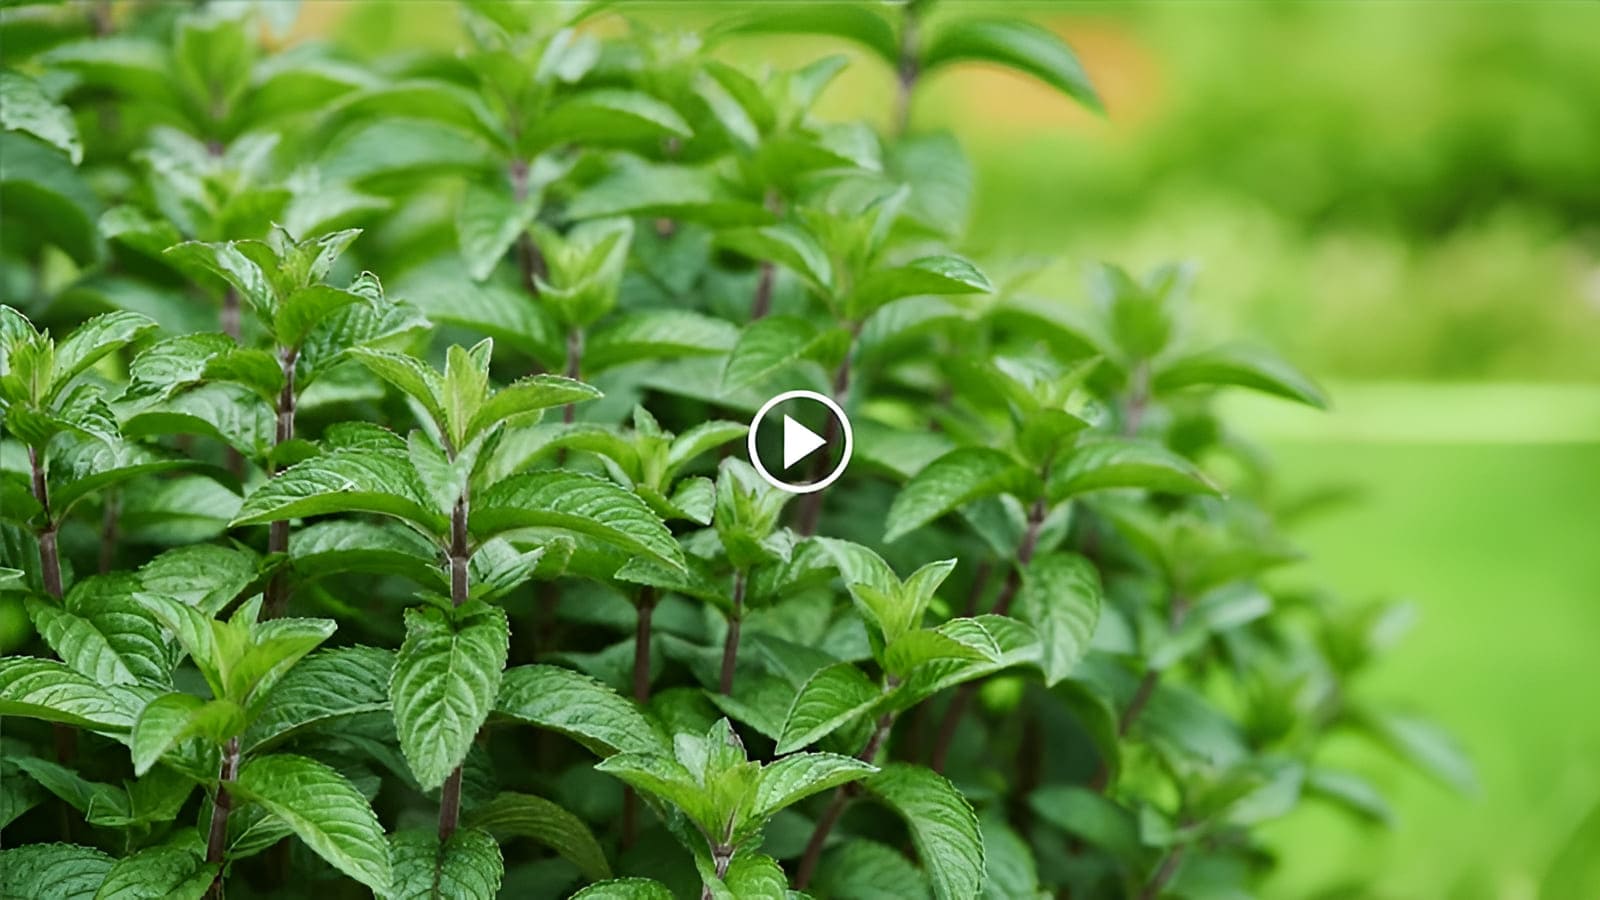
x=1497 y=546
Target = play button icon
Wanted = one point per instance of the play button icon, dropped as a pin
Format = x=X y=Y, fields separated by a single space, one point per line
x=797 y=426
x=799 y=442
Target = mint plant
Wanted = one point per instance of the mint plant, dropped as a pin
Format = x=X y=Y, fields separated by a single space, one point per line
x=373 y=493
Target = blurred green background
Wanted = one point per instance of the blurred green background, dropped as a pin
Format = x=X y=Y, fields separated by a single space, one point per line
x=1405 y=199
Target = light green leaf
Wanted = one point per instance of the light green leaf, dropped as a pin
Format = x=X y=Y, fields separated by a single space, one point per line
x=928 y=275
x=114 y=640
x=444 y=683
x=656 y=334
x=468 y=865
x=204 y=576
x=1016 y=44
x=255 y=369
x=943 y=827
x=323 y=689
x=1009 y=869
x=625 y=889
x=829 y=700
x=89 y=342
x=667 y=779
x=1351 y=792
x=796 y=777
x=445 y=292
x=573 y=502
x=53 y=871
x=230 y=413
x=24 y=106
x=300 y=312
x=701 y=438
x=851 y=21
x=917 y=648
x=524 y=815
x=371 y=481
x=409 y=374
x=40 y=187
x=1107 y=463
x=1424 y=745
x=45 y=689
x=529 y=395
x=954 y=480
x=228 y=262
x=171 y=719
x=1241 y=366
x=786 y=244
x=769 y=345
x=159 y=873
x=382 y=548
x=489 y=221
x=580 y=707
x=606 y=116
x=1060 y=597
x=685 y=193
x=323 y=810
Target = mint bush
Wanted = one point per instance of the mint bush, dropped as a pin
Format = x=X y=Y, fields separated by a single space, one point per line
x=373 y=496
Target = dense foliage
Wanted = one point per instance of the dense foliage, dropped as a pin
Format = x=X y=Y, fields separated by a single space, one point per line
x=331 y=580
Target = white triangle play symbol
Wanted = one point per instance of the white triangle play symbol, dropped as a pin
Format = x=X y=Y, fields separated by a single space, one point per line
x=798 y=442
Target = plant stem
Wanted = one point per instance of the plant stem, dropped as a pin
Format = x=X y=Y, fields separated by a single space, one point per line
x=811 y=504
x=1163 y=875
x=277 y=599
x=460 y=560
x=836 y=806
x=1152 y=677
x=1137 y=401
x=49 y=552
x=574 y=368
x=763 y=302
x=1002 y=605
x=221 y=806
x=641 y=695
x=906 y=73
x=108 y=532
x=730 y=643
x=530 y=261
x=230 y=313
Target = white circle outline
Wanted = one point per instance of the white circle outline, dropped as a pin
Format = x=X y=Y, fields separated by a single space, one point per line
x=755 y=458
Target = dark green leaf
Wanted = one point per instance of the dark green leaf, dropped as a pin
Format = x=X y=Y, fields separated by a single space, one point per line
x=573 y=502
x=524 y=815
x=444 y=683
x=943 y=827
x=324 y=810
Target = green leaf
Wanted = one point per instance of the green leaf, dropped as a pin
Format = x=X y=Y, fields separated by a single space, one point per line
x=1090 y=816
x=444 y=683
x=867 y=870
x=786 y=244
x=668 y=779
x=1107 y=463
x=411 y=375
x=1350 y=791
x=524 y=815
x=685 y=193
x=625 y=889
x=604 y=116
x=1009 y=869
x=656 y=334
x=701 y=438
x=171 y=719
x=914 y=649
x=863 y=25
x=580 y=707
x=371 y=481
x=1016 y=44
x=45 y=689
x=1424 y=745
x=94 y=339
x=1060 y=597
x=257 y=370
x=928 y=275
x=489 y=221
x=829 y=700
x=232 y=265
x=159 y=873
x=40 y=187
x=954 y=480
x=381 y=548
x=203 y=576
x=796 y=777
x=300 y=312
x=112 y=641
x=445 y=292
x=579 y=503
x=325 y=688
x=1241 y=366
x=230 y=413
x=324 y=810
x=468 y=865
x=24 y=106
x=52 y=871
x=529 y=395
x=93 y=799
x=769 y=345
x=943 y=827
